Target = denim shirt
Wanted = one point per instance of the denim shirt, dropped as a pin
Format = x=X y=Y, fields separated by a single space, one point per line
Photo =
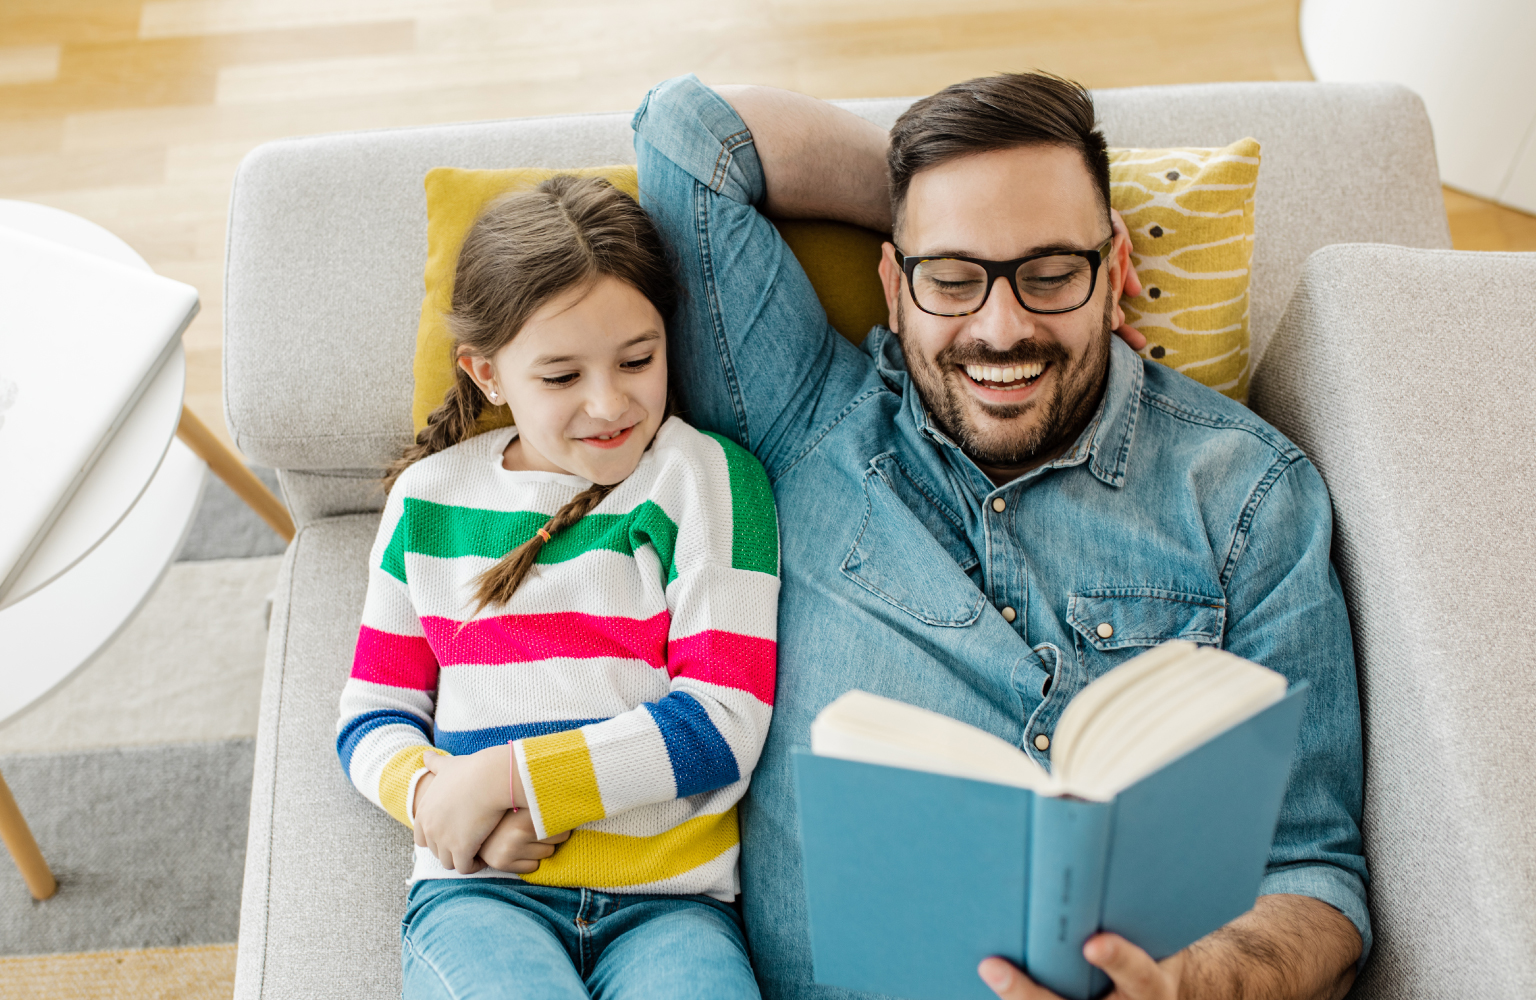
x=1177 y=514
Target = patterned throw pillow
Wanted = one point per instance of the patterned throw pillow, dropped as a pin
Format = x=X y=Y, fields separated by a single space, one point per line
x=1190 y=213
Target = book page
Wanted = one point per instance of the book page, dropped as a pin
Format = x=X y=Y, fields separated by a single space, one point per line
x=1172 y=711
x=866 y=727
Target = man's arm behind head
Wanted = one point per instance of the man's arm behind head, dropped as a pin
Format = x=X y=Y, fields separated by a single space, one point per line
x=820 y=161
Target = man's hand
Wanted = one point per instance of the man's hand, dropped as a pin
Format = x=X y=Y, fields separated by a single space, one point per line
x=1131 y=285
x=513 y=847
x=1285 y=947
x=1135 y=975
x=460 y=802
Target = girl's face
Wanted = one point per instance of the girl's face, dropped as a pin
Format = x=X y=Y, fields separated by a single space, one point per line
x=586 y=378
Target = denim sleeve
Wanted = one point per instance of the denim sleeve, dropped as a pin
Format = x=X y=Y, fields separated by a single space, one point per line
x=753 y=355
x=1287 y=612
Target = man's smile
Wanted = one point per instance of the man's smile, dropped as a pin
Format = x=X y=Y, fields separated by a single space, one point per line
x=1005 y=383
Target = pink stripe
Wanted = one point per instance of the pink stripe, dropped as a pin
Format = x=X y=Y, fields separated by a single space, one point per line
x=729 y=659
x=528 y=638
x=402 y=661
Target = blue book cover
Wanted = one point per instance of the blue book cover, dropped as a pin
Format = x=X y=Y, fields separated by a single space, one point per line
x=913 y=878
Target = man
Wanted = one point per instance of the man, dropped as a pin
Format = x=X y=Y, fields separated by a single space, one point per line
x=994 y=501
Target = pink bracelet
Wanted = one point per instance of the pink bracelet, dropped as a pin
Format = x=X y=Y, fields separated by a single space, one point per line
x=511 y=773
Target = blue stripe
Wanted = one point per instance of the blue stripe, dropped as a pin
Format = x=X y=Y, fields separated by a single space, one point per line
x=701 y=759
x=361 y=725
x=466 y=741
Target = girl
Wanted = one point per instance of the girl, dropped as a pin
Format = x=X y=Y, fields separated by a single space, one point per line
x=565 y=669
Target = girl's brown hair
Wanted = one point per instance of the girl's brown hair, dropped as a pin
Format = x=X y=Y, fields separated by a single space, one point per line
x=524 y=250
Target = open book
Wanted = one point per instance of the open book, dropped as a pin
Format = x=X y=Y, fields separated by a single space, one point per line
x=929 y=844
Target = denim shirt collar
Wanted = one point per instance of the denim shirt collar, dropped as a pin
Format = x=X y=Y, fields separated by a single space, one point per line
x=1104 y=445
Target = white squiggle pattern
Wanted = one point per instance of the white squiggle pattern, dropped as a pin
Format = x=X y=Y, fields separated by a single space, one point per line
x=1194 y=262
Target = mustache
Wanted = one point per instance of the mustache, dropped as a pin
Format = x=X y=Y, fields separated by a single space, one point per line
x=1025 y=352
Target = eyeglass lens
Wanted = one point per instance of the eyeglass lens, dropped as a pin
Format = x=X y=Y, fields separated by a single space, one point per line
x=952 y=287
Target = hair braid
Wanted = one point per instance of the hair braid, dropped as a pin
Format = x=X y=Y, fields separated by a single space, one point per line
x=497 y=584
x=450 y=423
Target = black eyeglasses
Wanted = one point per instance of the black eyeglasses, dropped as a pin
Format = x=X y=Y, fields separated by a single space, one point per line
x=1055 y=282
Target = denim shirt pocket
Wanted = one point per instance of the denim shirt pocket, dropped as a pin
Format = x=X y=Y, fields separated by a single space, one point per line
x=1113 y=624
x=897 y=558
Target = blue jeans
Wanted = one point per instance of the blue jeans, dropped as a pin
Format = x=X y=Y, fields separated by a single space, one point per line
x=468 y=939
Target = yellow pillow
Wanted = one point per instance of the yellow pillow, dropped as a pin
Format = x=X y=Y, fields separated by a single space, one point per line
x=1190 y=213
x=454 y=199
x=1194 y=310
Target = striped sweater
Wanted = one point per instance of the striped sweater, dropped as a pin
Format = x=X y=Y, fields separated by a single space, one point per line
x=633 y=671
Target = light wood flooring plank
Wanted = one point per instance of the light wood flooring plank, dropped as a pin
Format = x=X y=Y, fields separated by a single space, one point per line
x=29 y=63
x=195 y=973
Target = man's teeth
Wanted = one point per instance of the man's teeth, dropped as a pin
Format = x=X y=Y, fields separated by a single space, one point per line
x=1002 y=376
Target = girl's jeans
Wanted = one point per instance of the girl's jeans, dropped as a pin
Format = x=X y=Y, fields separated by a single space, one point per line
x=494 y=938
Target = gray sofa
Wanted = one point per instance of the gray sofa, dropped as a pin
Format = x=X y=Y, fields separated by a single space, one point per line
x=1406 y=374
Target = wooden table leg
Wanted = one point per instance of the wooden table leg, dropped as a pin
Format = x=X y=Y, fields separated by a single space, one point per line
x=18 y=838
x=228 y=467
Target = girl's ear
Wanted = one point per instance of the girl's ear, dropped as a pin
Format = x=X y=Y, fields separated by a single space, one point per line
x=480 y=370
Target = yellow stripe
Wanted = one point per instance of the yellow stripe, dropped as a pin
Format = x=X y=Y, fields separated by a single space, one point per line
x=563 y=780
x=591 y=858
x=396 y=780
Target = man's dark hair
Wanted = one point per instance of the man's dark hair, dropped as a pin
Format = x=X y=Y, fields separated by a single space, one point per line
x=991 y=113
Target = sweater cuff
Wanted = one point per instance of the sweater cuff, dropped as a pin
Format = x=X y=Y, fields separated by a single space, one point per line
x=558 y=781
x=410 y=797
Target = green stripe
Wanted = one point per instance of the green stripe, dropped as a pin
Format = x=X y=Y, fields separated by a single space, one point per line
x=754 y=518
x=446 y=531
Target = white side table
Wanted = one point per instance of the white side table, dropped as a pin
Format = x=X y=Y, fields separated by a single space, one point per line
x=113 y=542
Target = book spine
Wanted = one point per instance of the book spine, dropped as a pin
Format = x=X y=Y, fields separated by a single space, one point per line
x=1069 y=847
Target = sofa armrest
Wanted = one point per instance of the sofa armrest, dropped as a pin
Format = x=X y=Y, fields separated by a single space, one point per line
x=1407 y=377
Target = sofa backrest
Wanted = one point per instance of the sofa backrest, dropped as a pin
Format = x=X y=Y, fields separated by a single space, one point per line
x=1409 y=378
x=327 y=244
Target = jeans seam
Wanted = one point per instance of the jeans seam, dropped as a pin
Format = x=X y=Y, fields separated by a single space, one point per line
x=716 y=317
x=421 y=957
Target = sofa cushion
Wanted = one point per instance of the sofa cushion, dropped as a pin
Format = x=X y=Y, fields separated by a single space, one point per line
x=1421 y=422
x=325 y=870
x=327 y=236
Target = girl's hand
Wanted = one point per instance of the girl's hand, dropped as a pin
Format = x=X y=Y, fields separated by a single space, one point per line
x=460 y=802
x=511 y=847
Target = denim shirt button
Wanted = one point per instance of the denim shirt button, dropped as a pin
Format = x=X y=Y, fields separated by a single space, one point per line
x=1042 y=743
x=1009 y=614
x=999 y=504
x=1105 y=630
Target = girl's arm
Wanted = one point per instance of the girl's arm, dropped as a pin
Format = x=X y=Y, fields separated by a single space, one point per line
x=386 y=704
x=708 y=731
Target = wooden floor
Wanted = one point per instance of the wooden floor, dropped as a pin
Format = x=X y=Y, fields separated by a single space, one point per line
x=134 y=114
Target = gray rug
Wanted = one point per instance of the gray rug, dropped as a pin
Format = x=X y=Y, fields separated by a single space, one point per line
x=225 y=528
x=147 y=844
x=147 y=841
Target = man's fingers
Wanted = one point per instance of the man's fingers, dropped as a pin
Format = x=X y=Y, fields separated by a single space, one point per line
x=1135 y=974
x=1005 y=979
x=1118 y=226
x=1133 y=337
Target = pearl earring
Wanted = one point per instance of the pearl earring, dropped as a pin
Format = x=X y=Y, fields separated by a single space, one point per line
x=494 y=397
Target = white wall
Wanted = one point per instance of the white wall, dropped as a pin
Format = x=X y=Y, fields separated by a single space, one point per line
x=1473 y=62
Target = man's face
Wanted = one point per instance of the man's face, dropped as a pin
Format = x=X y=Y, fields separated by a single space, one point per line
x=1000 y=206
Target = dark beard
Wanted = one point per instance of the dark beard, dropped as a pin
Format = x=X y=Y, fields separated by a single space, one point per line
x=1064 y=412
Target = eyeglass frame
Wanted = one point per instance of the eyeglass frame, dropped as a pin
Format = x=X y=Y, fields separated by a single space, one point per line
x=1007 y=269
